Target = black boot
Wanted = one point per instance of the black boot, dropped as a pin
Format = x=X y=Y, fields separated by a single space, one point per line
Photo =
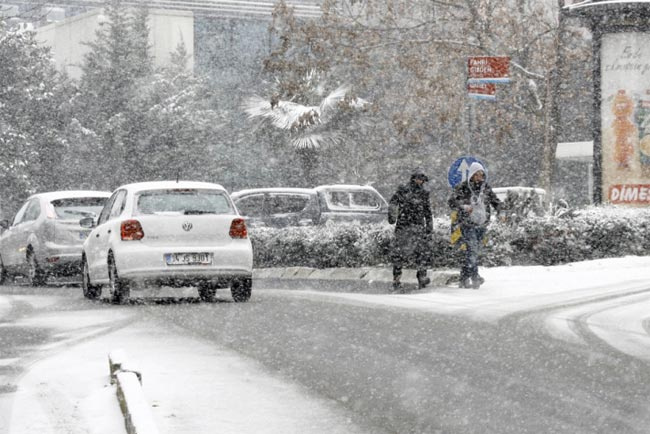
x=397 y=275
x=423 y=280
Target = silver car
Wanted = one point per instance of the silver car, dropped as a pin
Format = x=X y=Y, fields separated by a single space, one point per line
x=279 y=207
x=45 y=238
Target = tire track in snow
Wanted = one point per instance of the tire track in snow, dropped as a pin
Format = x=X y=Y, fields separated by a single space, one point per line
x=617 y=324
x=610 y=323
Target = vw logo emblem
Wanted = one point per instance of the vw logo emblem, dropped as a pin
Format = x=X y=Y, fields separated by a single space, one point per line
x=187 y=226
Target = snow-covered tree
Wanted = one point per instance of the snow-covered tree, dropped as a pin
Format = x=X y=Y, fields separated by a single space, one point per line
x=178 y=126
x=151 y=124
x=31 y=125
x=118 y=58
x=317 y=112
x=316 y=123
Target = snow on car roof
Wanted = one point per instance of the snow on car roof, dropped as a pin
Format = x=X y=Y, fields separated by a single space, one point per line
x=54 y=195
x=274 y=190
x=162 y=185
x=344 y=187
x=593 y=4
x=519 y=190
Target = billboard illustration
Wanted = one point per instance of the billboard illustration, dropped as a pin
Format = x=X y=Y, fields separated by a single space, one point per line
x=625 y=118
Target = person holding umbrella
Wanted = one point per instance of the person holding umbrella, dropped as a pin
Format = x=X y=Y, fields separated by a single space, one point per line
x=470 y=202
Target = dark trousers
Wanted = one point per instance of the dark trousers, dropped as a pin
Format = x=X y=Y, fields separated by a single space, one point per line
x=411 y=247
x=473 y=239
x=397 y=272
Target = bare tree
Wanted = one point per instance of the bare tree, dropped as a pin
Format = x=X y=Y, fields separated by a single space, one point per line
x=410 y=57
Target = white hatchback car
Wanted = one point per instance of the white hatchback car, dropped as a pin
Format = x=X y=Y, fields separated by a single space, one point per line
x=44 y=239
x=168 y=233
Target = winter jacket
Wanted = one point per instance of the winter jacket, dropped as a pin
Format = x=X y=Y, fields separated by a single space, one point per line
x=410 y=210
x=410 y=206
x=477 y=196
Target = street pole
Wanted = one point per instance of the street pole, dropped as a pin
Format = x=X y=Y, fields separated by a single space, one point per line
x=552 y=110
x=469 y=109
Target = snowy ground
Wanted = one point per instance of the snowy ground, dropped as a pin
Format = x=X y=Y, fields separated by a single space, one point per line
x=69 y=389
x=613 y=295
x=71 y=392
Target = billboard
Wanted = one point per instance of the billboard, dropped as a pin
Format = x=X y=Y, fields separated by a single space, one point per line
x=625 y=118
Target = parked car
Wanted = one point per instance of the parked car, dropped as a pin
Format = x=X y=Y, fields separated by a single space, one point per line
x=44 y=239
x=279 y=207
x=522 y=192
x=168 y=233
x=522 y=202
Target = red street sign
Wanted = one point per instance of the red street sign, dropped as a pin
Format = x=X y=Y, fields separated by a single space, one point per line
x=488 y=69
x=482 y=90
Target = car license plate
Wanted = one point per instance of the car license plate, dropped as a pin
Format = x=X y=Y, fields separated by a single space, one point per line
x=188 y=258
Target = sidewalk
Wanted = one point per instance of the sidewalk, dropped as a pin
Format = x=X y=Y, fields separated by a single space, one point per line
x=507 y=290
x=366 y=280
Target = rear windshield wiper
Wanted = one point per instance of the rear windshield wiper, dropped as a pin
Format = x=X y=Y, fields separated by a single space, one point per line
x=196 y=211
x=79 y=212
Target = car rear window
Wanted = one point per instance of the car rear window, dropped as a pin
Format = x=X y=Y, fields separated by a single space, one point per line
x=251 y=205
x=183 y=201
x=352 y=200
x=287 y=203
x=74 y=208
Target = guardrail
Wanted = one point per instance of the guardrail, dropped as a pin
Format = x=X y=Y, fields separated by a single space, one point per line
x=135 y=408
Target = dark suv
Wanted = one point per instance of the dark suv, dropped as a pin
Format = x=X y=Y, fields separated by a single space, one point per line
x=279 y=207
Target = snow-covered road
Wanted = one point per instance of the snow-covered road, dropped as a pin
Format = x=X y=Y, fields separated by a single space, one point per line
x=225 y=367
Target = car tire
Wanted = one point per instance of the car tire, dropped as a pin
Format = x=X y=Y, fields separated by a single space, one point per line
x=91 y=292
x=118 y=287
x=3 y=273
x=241 y=289
x=35 y=274
x=207 y=291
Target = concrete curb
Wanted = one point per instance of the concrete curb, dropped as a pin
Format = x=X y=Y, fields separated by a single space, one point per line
x=363 y=279
x=134 y=406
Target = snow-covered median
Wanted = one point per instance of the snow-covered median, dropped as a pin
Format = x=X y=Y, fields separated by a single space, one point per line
x=192 y=388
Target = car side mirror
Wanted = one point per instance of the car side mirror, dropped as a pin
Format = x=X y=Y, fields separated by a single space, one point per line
x=4 y=224
x=87 y=222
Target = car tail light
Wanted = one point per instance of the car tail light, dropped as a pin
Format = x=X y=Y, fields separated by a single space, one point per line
x=238 y=229
x=50 y=213
x=131 y=230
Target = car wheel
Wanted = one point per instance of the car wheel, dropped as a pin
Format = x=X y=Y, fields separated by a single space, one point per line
x=35 y=274
x=241 y=289
x=119 y=288
x=3 y=273
x=207 y=291
x=91 y=292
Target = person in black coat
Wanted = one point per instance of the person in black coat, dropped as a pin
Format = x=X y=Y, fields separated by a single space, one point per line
x=471 y=201
x=410 y=211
